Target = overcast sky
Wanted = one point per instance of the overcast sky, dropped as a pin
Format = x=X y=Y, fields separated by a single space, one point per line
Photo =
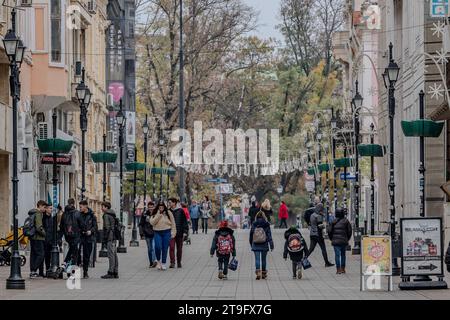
x=268 y=17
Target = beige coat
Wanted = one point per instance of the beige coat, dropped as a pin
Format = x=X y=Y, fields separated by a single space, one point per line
x=161 y=222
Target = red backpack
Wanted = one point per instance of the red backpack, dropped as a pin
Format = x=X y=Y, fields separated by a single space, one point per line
x=225 y=244
x=295 y=243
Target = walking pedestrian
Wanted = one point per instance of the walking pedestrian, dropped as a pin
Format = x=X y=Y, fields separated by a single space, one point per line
x=224 y=245
x=260 y=241
x=37 y=241
x=70 y=228
x=340 y=233
x=267 y=209
x=316 y=233
x=254 y=209
x=295 y=245
x=182 y=227
x=146 y=231
x=47 y=222
x=110 y=225
x=88 y=230
x=283 y=215
x=194 y=212
x=165 y=229
x=205 y=209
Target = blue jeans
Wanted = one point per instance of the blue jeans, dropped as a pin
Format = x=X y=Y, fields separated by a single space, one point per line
x=339 y=252
x=260 y=260
x=162 y=239
x=150 y=249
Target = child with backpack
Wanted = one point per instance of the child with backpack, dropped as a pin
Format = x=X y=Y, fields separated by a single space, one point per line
x=295 y=245
x=224 y=244
x=260 y=241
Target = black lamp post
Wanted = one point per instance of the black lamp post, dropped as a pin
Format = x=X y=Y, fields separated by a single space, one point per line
x=121 y=121
x=134 y=242
x=390 y=77
x=422 y=157
x=319 y=155
x=103 y=253
x=372 y=184
x=333 y=146
x=14 y=49
x=357 y=104
x=161 y=146
x=145 y=130
x=84 y=98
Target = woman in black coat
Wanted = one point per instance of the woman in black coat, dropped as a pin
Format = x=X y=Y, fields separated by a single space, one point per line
x=340 y=233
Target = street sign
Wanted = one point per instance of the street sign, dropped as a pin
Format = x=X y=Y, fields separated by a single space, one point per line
x=226 y=188
x=61 y=159
x=310 y=185
x=350 y=176
x=422 y=246
x=438 y=8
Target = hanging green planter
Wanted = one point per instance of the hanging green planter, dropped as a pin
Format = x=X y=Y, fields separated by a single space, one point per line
x=135 y=166
x=311 y=171
x=343 y=162
x=422 y=128
x=54 y=145
x=170 y=171
x=104 y=157
x=324 y=167
x=370 y=150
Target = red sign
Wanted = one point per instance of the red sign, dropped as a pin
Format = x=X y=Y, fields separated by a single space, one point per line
x=62 y=159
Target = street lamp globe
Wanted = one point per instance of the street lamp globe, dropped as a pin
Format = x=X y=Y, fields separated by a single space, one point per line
x=81 y=90
x=392 y=71
x=10 y=42
x=87 y=97
x=145 y=128
x=120 y=118
x=358 y=100
x=20 y=52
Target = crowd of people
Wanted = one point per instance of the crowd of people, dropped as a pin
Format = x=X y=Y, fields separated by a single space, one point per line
x=165 y=228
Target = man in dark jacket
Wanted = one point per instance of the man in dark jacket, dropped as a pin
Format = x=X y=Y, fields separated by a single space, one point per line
x=340 y=233
x=47 y=222
x=316 y=233
x=182 y=230
x=252 y=212
x=88 y=230
x=224 y=245
x=37 y=242
x=109 y=223
x=70 y=228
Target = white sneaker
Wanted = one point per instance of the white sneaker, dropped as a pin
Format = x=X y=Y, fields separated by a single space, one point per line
x=158 y=265
x=299 y=273
x=164 y=267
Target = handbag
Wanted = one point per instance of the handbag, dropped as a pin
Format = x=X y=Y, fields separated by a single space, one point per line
x=233 y=264
x=306 y=264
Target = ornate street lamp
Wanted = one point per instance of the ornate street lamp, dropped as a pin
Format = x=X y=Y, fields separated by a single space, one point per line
x=121 y=122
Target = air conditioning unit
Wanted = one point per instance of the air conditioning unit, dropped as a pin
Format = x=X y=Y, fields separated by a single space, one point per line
x=43 y=130
x=92 y=6
x=26 y=3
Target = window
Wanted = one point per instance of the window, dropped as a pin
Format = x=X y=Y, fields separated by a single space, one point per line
x=83 y=46
x=55 y=25
x=131 y=29
x=26 y=159
x=131 y=12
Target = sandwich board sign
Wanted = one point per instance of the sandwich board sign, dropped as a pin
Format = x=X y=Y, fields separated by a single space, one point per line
x=376 y=262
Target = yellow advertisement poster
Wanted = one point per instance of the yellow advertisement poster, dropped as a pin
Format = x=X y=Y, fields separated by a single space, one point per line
x=376 y=257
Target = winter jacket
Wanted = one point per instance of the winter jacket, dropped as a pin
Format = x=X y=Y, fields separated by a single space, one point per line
x=222 y=232
x=162 y=222
x=109 y=222
x=194 y=211
x=283 y=212
x=205 y=209
x=268 y=214
x=181 y=221
x=252 y=213
x=40 y=231
x=317 y=226
x=47 y=222
x=73 y=215
x=186 y=213
x=88 y=222
x=261 y=223
x=145 y=227
x=340 y=232
x=295 y=256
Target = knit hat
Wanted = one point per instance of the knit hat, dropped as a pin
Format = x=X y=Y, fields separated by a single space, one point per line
x=223 y=224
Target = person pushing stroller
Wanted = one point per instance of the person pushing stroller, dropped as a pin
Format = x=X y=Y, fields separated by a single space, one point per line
x=295 y=245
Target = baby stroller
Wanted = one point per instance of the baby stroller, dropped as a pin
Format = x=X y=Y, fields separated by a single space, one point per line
x=6 y=245
x=187 y=239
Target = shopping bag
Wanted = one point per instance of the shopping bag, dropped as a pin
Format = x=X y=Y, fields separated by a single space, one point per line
x=233 y=264
x=306 y=264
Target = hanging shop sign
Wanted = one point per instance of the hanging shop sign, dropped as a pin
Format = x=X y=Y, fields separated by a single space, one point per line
x=61 y=159
x=438 y=8
x=422 y=246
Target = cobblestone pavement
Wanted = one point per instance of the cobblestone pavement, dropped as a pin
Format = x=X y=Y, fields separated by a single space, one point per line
x=198 y=278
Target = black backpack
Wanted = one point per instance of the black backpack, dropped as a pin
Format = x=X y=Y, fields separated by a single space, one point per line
x=29 y=226
x=307 y=215
x=71 y=227
x=117 y=229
